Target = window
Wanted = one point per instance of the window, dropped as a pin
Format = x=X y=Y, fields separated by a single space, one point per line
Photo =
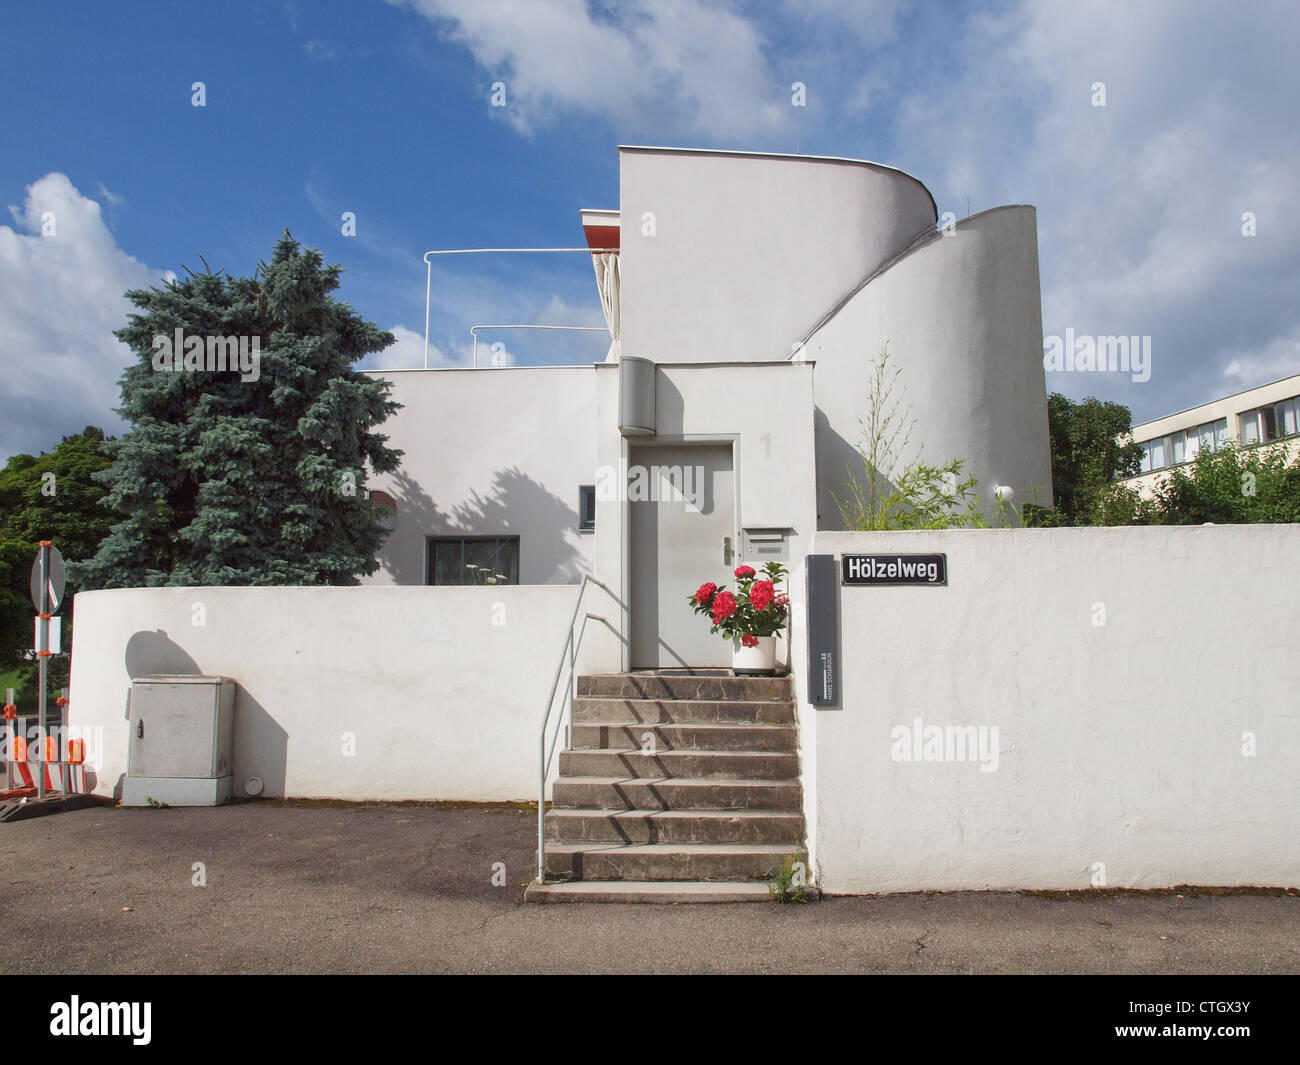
x=1145 y=466
x=1179 y=446
x=1287 y=415
x=1250 y=428
x=586 y=507
x=1159 y=452
x=473 y=560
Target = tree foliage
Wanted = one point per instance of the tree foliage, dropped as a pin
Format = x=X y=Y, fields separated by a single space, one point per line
x=1090 y=449
x=247 y=478
x=51 y=496
x=1228 y=486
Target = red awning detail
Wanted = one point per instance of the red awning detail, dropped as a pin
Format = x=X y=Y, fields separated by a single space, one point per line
x=602 y=236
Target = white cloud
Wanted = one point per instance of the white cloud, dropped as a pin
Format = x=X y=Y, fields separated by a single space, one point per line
x=692 y=64
x=1140 y=201
x=407 y=353
x=60 y=299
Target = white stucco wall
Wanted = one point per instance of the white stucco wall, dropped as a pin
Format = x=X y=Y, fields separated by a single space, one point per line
x=961 y=316
x=491 y=451
x=1119 y=743
x=749 y=251
x=443 y=688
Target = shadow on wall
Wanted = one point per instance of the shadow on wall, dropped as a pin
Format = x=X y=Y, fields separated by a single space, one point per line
x=261 y=746
x=414 y=506
x=516 y=504
x=835 y=457
x=548 y=541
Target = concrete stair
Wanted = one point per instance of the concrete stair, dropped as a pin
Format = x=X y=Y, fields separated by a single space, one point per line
x=675 y=787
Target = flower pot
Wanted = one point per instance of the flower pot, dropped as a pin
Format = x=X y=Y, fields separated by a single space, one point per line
x=757 y=661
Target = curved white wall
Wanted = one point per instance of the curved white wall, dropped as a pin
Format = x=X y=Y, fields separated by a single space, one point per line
x=750 y=251
x=963 y=321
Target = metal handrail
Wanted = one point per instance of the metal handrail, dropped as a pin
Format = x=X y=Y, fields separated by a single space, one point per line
x=569 y=650
x=473 y=331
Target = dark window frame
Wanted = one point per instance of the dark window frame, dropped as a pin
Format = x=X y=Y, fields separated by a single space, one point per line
x=586 y=503
x=430 y=564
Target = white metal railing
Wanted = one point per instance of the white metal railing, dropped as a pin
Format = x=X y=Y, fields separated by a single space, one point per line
x=473 y=332
x=547 y=750
x=428 y=280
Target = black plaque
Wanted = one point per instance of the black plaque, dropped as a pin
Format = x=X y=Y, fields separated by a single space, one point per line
x=823 y=631
x=893 y=568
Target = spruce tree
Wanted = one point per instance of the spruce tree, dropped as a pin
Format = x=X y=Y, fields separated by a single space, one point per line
x=255 y=474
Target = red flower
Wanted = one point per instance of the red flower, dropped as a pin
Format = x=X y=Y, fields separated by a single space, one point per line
x=760 y=594
x=744 y=571
x=782 y=600
x=704 y=596
x=749 y=641
x=724 y=605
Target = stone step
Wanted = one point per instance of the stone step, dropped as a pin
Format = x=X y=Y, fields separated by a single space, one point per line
x=626 y=793
x=718 y=765
x=615 y=711
x=668 y=892
x=668 y=861
x=684 y=686
x=676 y=826
x=726 y=736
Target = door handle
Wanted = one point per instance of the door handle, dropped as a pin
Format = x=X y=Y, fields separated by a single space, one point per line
x=726 y=550
x=139 y=729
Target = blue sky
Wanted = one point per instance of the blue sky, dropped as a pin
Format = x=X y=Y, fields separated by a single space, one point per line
x=382 y=109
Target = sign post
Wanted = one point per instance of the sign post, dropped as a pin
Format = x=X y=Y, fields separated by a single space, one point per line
x=48 y=576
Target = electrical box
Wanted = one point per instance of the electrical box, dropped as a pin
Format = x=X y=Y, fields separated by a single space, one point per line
x=182 y=741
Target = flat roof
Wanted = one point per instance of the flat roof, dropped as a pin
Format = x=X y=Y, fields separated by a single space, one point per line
x=1219 y=399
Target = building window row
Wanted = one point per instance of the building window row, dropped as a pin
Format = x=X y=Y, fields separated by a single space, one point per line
x=1182 y=446
x=1274 y=422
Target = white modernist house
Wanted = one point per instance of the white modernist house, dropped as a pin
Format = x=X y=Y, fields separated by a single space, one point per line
x=1046 y=717
x=747 y=296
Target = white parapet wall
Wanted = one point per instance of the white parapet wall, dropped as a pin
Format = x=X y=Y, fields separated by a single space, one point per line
x=347 y=693
x=1127 y=707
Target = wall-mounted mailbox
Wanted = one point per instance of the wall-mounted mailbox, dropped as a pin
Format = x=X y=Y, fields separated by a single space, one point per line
x=767 y=543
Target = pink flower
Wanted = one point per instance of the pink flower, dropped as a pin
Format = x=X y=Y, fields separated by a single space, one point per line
x=749 y=641
x=704 y=596
x=724 y=605
x=782 y=600
x=744 y=571
x=760 y=594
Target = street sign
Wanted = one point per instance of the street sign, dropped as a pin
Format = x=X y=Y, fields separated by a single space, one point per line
x=54 y=580
x=894 y=569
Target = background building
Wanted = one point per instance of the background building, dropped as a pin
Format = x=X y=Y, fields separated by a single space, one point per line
x=1267 y=416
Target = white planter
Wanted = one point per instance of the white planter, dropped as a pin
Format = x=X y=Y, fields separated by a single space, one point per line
x=760 y=660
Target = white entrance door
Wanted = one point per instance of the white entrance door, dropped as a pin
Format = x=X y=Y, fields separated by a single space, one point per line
x=681 y=522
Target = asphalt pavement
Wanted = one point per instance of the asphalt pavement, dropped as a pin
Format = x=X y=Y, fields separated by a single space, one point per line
x=301 y=887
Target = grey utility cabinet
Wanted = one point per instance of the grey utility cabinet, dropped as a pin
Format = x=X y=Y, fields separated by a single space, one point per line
x=182 y=741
